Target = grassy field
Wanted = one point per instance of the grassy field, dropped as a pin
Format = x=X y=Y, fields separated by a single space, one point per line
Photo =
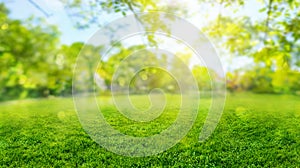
x=255 y=131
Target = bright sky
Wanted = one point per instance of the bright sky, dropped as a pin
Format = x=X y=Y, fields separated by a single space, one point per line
x=58 y=16
x=54 y=13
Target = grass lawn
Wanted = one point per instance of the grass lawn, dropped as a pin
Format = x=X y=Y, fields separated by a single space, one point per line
x=255 y=131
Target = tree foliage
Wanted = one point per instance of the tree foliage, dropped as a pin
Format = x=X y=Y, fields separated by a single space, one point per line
x=272 y=42
x=26 y=51
x=33 y=63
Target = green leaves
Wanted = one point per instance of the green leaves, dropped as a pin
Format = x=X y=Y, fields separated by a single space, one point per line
x=272 y=41
x=29 y=54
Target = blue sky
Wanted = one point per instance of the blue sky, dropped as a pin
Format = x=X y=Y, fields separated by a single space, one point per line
x=22 y=9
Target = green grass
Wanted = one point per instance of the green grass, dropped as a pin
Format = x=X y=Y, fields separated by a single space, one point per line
x=255 y=131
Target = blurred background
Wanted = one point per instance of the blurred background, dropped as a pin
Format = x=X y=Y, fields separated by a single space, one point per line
x=257 y=41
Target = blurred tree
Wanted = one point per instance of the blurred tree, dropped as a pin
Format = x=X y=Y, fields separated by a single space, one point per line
x=273 y=42
x=202 y=75
x=86 y=65
x=63 y=63
x=125 y=67
x=87 y=13
x=33 y=64
x=25 y=52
